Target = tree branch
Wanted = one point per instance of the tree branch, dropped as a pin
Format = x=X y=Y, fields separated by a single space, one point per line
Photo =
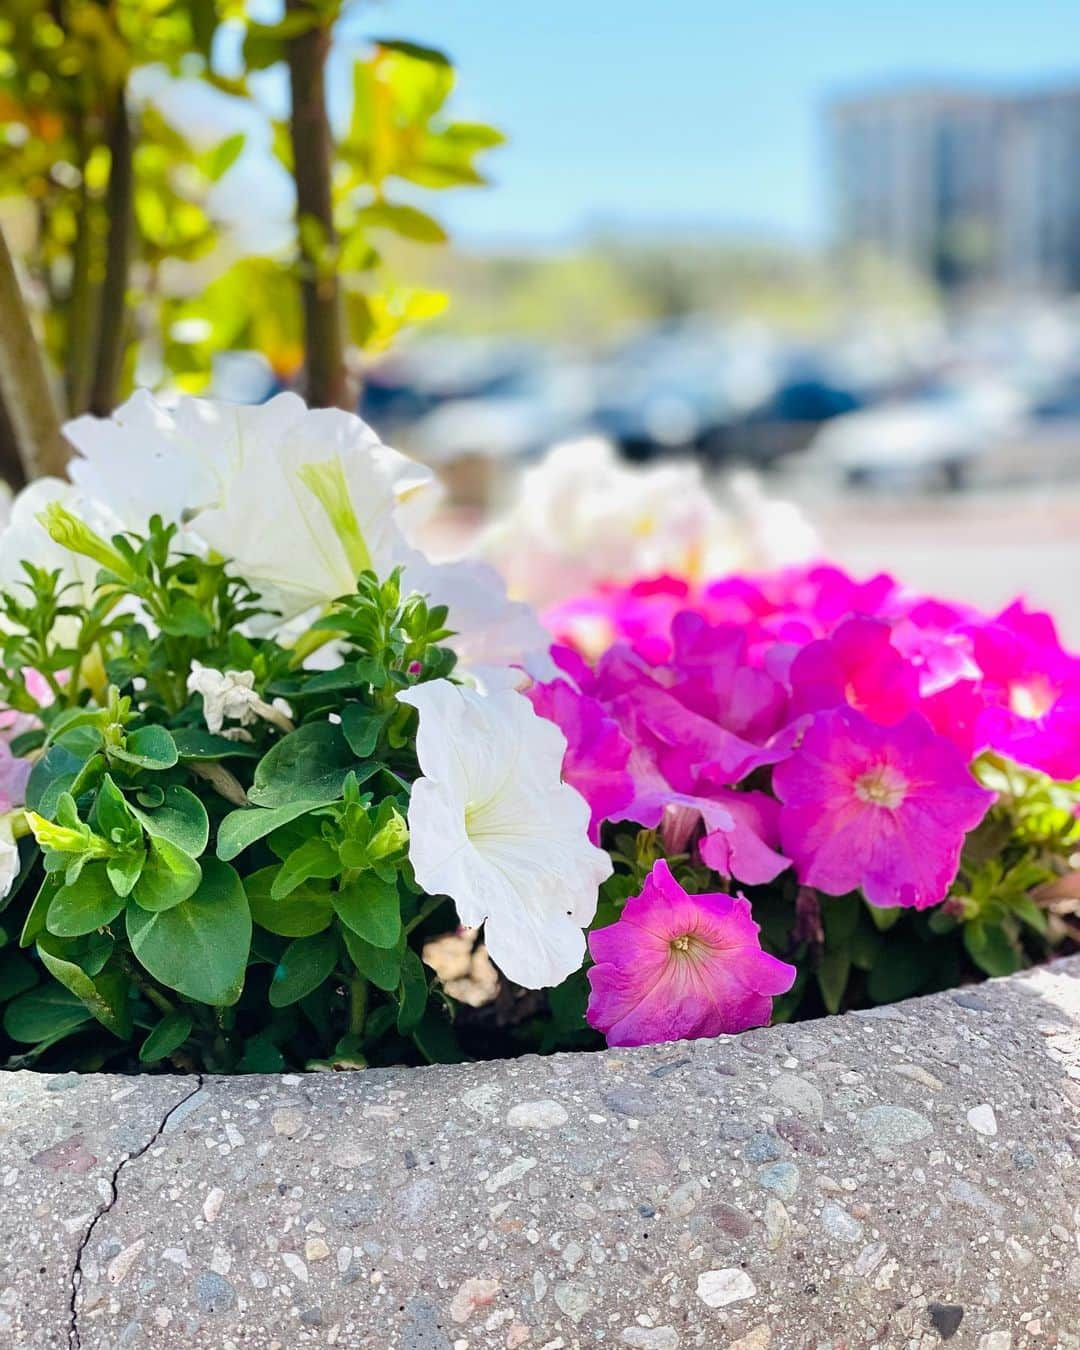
x=309 y=127
x=24 y=385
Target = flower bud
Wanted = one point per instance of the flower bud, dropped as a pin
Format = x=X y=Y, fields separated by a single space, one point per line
x=67 y=530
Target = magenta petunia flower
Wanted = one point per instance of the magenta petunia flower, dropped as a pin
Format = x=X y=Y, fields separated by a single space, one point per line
x=957 y=713
x=858 y=666
x=685 y=743
x=596 y=750
x=716 y=679
x=879 y=809
x=677 y=967
x=1031 y=693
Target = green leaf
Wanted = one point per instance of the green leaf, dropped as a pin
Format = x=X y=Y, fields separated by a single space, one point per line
x=303 y=967
x=181 y=818
x=989 y=947
x=169 y=1035
x=412 y=992
x=71 y=718
x=407 y=221
x=568 y=1002
x=197 y=743
x=430 y=54
x=840 y=917
x=105 y=997
x=51 y=776
x=358 y=674
x=223 y=156
x=124 y=869
x=866 y=947
x=199 y=948
x=261 y=1055
x=35 y=920
x=83 y=741
x=147 y=748
x=1029 y=912
x=168 y=877
x=381 y=965
x=883 y=918
x=113 y=817
x=832 y=977
x=371 y=908
x=900 y=971
x=311 y=762
x=186 y=618
x=17 y=975
x=44 y=1014
x=85 y=905
x=314 y=858
x=362 y=727
x=242 y=828
x=435 y=1039
x=307 y=910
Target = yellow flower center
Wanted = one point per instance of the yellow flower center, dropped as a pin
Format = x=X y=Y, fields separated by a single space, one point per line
x=1032 y=699
x=689 y=947
x=882 y=786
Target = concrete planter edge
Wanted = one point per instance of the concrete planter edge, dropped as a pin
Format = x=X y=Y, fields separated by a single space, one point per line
x=899 y=1178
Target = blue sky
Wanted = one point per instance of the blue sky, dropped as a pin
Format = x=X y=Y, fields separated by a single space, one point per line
x=697 y=112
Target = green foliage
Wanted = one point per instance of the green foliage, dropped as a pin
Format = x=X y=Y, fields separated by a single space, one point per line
x=243 y=900
x=69 y=182
x=163 y=924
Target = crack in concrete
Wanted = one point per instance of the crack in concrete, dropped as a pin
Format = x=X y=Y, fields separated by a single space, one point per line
x=74 y=1337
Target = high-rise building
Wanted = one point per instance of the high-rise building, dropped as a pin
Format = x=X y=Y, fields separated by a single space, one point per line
x=966 y=187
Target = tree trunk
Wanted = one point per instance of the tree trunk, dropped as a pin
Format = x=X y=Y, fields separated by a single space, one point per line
x=324 y=332
x=84 y=293
x=113 y=312
x=11 y=469
x=30 y=412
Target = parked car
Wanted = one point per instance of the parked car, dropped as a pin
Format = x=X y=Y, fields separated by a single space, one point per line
x=934 y=437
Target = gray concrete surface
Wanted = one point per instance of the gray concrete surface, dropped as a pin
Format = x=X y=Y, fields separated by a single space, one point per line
x=897 y=1179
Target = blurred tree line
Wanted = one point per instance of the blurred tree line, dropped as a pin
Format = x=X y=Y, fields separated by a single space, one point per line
x=114 y=253
x=596 y=291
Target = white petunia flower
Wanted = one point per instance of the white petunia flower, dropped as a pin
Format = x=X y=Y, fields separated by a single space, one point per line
x=254 y=484
x=9 y=856
x=582 y=516
x=492 y=825
x=229 y=696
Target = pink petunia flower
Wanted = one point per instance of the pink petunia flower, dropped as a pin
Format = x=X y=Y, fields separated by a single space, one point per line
x=677 y=967
x=741 y=836
x=858 y=666
x=1031 y=693
x=14 y=770
x=957 y=713
x=879 y=809
x=14 y=774
x=596 y=750
x=716 y=679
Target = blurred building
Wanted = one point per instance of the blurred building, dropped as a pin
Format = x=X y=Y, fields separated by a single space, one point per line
x=966 y=187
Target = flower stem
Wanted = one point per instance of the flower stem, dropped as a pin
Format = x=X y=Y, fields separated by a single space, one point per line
x=430 y=905
x=358 y=998
x=309 y=642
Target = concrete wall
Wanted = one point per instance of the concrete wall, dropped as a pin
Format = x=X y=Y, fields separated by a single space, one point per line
x=900 y=1178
